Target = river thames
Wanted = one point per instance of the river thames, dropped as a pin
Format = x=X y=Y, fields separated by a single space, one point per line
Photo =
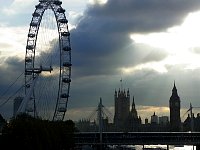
x=186 y=147
x=152 y=147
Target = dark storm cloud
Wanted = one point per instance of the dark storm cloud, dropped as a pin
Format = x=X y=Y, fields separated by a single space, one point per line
x=101 y=45
x=101 y=41
x=11 y=72
x=137 y=15
x=152 y=88
x=11 y=68
x=149 y=88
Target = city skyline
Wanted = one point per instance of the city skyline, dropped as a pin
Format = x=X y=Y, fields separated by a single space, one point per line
x=141 y=111
x=148 y=45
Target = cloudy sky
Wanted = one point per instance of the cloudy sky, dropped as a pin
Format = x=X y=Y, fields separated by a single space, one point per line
x=147 y=44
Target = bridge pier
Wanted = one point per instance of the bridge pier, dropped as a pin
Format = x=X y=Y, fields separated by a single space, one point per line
x=197 y=147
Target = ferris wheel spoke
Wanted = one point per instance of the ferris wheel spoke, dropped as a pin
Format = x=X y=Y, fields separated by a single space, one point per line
x=48 y=53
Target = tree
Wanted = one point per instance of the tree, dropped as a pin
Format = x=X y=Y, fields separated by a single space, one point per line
x=28 y=133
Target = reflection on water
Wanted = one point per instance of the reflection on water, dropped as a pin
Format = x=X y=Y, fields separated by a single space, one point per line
x=185 y=148
x=149 y=147
x=164 y=147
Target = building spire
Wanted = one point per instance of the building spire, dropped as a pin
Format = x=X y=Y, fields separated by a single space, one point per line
x=174 y=84
x=133 y=110
x=121 y=84
x=174 y=90
x=133 y=104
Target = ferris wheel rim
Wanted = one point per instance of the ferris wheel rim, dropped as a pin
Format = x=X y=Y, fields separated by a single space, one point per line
x=64 y=50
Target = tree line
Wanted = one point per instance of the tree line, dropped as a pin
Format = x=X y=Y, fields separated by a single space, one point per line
x=27 y=133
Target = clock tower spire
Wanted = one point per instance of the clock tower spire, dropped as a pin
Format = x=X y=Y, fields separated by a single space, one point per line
x=174 y=106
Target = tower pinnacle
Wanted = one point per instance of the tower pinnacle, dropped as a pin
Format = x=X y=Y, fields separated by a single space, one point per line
x=121 y=84
x=174 y=105
x=174 y=88
x=133 y=104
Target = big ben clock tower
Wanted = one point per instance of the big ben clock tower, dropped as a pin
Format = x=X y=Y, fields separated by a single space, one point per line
x=174 y=106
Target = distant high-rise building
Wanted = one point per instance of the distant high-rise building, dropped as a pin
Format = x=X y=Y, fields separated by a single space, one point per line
x=16 y=105
x=174 y=106
x=154 y=119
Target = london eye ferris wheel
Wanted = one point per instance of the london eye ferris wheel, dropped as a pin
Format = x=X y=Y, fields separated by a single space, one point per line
x=47 y=62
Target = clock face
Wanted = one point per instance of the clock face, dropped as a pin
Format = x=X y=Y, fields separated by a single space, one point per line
x=176 y=104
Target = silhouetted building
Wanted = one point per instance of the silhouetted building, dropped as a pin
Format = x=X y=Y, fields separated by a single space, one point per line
x=174 y=106
x=163 y=120
x=197 y=123
x=85 y=125
x=122 y=109
x=154 y=125
x=133 y=120
x=16 y=105
x=2 y=123
x=187 y=124
x=192 y=124
x=154 y=119
x=124 y=118
x=146 y=121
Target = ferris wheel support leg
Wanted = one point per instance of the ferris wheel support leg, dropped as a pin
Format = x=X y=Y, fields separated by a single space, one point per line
x=27 y=98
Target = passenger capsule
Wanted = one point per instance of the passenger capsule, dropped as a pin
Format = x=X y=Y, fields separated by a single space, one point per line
x=63 y=20
x=38 y=6
x=57 y=3
x=60 y=10
x=28 y=86
x=65 y=33
x=66 y=80
x=30 y=47
x=67 y=48
x=33 y=24
x=64 y=95
x=35 y=14
x=31 y=35
x=27 y=59
x=67 y=64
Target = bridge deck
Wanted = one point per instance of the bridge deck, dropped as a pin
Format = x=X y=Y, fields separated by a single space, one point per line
x=138 y=138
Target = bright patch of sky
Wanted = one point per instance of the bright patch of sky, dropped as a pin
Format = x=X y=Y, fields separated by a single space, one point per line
x=12 y=40
x=18 y=6
x=98 y=1
x=180 y=42
x=13 y=36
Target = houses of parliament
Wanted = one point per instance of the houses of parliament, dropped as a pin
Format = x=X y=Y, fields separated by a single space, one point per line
x=126 y=118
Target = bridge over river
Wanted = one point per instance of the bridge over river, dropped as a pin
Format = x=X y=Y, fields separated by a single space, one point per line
x=138 y=138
